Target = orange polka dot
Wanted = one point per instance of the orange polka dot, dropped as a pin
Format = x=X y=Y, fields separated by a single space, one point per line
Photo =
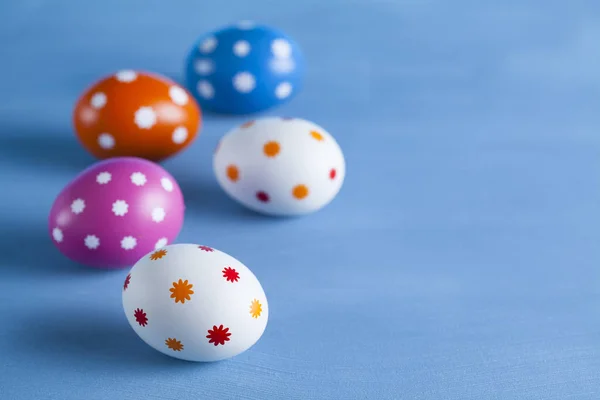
x=271 y=149
x=233 y=173
x=300 y=192
x=317 y=136
x=247 y=124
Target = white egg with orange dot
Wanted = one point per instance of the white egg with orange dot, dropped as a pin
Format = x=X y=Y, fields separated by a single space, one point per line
x=280 y=166
x=195 y=303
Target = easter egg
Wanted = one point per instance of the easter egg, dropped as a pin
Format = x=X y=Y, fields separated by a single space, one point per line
x=244 y=68
x=280 y=166
x=116 y=211
x=195 y=303
x=137 y=114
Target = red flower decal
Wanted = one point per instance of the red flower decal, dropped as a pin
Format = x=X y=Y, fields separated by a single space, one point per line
x=140 y=317
x=231 y=274
x=218 y=336
x=332 y=173
x=127 y=281
x=262 y=197
x=205 y=248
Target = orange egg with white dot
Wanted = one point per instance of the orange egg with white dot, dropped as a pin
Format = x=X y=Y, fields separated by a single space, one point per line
x=280 y=166
x=136 y=114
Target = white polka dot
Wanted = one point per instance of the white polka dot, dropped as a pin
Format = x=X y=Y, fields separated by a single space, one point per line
x=204 y=67
x=206 y=90
x=178 y=95
x=126 y=76
x=128 y=243
x=103 y=178
x=281 y=48
x=283 y=90
x=98 y=100
x=282 y=65
x=162 y=242
x=88 y=116
x=145 y=118
x=106 y=141
x=63 y=218
x=77 y=206
x=171 y=113
x=158 y=214
x=244 y=82
x=246 y=25
x=209 y=45
x=57 y=234
x=180 y=134
x=241 y=48
x=120 y=208
x=167 y=184
x=91 y=242
x=138 y=179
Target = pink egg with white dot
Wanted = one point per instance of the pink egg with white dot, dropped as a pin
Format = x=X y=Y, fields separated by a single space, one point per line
x=115 y=212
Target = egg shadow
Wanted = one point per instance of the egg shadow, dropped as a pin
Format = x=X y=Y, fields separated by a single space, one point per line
x=29 y=251
x=92 y=339
x=205 y=198
x=42 y=146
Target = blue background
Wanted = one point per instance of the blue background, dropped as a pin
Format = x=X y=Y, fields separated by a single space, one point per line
x=460 y=260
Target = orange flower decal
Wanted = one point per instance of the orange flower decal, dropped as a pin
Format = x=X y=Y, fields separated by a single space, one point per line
x=181 y=291
x=233 y=173
x=300 y=192
x=317 y=136
x=174 y=344
x=271 y=149
x=157 y=255
x=255 y=308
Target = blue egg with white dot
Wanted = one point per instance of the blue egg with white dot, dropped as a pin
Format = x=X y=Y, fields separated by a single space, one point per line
x=244 y=69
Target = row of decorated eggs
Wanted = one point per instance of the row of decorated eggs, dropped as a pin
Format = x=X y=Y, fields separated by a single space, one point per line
x=191 y=301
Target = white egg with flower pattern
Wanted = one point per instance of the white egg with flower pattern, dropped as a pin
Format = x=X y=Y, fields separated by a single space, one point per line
x=195 y=303
x=280 y=166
